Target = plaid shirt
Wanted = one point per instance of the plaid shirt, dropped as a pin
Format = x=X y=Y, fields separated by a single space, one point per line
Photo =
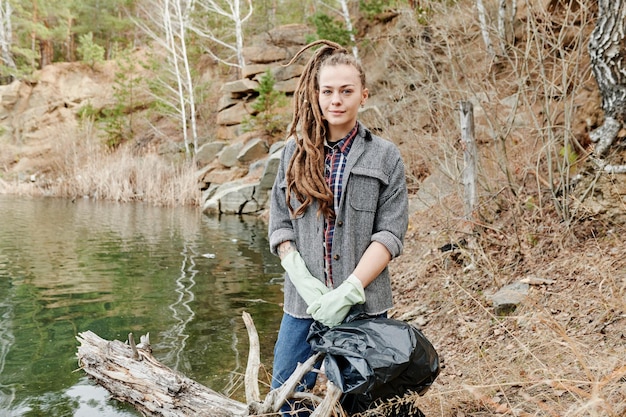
x=335 y=157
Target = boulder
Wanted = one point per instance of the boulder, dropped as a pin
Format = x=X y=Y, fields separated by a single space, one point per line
x=208 y=152
x=226 y=101
x=289 y=35
x=251 y=71
x=240 y=88
x=228 y=155
x=264 y=54
x=235 y=198
x=254 y=149
x=287 y=87
x=234 y=115
x=269 y=173
x=507 y=299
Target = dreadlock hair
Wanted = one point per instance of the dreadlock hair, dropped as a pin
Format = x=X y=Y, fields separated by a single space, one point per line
x=305 y=173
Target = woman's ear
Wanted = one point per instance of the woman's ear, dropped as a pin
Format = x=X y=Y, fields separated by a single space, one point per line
x=364 y=95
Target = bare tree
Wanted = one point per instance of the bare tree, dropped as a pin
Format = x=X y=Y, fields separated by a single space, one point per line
x=484 y=27
x=344 y=12
x=607 y=52
x=6 y=34
x=505 y=19
x=169 y=20
x=232 y=14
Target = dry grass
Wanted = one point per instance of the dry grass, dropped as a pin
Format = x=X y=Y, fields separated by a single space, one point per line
x=85 y=168
x=563 y=351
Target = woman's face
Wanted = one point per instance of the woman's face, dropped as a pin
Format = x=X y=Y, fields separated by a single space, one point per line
x=340 y=96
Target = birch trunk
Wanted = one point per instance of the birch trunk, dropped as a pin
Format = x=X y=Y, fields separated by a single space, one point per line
x=345 y=12
x=484 y=28
x=233 y=16
x=6 y=34
x=169 y=20
x=609 y=68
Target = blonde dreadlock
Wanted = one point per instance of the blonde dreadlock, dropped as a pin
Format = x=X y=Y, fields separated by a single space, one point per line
x=305 y=174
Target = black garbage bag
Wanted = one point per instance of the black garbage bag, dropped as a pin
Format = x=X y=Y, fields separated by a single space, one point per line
x=375 y=358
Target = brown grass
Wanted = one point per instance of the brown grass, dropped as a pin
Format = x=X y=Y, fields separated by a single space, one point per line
x=563 y=351
x=85 y=168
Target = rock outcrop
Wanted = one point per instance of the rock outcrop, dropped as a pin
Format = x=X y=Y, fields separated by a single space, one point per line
x=242 y=165
x=40 y=114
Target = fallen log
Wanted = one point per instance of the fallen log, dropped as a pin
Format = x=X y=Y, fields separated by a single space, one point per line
x=146 y=384
x=131 y=374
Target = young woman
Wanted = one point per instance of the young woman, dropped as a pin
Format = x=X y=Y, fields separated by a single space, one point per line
x=339 y=208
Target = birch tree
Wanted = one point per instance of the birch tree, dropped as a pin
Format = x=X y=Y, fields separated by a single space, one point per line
x=608 y=63
x=504 y=22
x=6 y=34
x=232 y=14
x=168 y=29
x=344 y=12
x=484 y=27
x=506 y=17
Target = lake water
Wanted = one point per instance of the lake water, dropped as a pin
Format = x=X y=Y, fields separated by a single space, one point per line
x=67 y=267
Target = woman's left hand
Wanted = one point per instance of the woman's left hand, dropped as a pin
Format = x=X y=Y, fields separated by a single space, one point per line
x=332 y=308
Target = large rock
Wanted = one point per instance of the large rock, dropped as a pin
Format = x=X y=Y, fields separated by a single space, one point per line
x=228 y=155
x=240 y=88
x=270 y=170
x=234 y=115
x=236 y=198
x=264 y=54
x=254 y=149
x=208 y=152
x=289 y=35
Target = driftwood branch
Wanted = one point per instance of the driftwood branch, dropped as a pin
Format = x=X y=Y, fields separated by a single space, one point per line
x=151 y=387
x=277 y=397
x=131 y=374
x=329 y=404
x=254 y=361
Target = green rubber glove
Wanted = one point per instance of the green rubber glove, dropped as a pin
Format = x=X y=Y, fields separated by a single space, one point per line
x=331 y=308
x=309 y=287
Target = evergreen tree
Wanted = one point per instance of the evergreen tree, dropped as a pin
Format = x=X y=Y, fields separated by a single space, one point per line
x=266 y=106
x=90 y=52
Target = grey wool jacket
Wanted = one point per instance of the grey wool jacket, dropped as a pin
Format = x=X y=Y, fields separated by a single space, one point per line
x=373 y=207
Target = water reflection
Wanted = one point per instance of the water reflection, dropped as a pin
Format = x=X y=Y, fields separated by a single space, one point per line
x=113 y=269
x=174 y=339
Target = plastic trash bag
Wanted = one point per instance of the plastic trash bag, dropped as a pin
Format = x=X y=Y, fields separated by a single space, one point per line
x=378 y=357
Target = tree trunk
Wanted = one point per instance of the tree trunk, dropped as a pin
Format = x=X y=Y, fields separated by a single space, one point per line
x=6 y=34
x=131 y=374
x=607 y=51
x=134 y=376
x=484 y=29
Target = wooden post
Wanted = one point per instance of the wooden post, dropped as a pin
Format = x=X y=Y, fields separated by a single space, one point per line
x=469 y=158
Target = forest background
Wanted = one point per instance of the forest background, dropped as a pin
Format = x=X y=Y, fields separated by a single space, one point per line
x=548 y=217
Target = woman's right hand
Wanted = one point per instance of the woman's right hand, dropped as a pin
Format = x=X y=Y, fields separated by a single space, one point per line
x=309 y=287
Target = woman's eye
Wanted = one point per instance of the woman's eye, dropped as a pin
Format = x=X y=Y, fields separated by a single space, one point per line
x=347 y=91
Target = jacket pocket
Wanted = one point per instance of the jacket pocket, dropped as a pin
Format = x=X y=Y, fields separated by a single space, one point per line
x=365 y=188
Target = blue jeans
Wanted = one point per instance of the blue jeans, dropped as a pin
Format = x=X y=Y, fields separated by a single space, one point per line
x=292 y=348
